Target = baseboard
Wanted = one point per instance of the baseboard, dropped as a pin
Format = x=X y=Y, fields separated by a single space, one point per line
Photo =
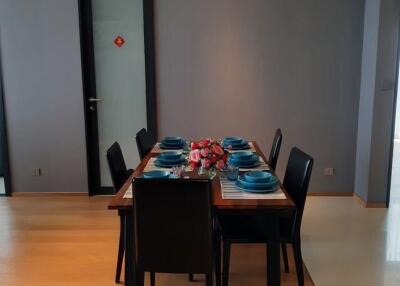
x=371 y=205
x=330 y=194
x=49 y=194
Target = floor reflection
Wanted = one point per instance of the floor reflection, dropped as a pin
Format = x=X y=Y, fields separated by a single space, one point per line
x=393 y=218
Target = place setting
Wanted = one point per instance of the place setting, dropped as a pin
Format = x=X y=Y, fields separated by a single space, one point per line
x=236 y=144
x=166 y=160
x=250 y=185
x=171 y=143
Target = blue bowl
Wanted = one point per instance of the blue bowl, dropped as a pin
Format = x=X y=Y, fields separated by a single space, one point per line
x=257 y=186
x=255 y=158
x=170 y=161
x=242 y=146
x=172 y=143
x=171 y=155
x=243 y=165
x=242 y=155
x=169 y=164
x=248 y=189
x=233 y=140
x=173 y=140
x=170 y=147
x=156 y=174
x=258 y=176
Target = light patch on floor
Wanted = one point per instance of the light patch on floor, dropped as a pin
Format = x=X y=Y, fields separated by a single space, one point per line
x=2 y=187
x=347 y=244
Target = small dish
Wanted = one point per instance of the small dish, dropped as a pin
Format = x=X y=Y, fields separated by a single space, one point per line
x=233 y=140
x=258 y=176
x=243 y=155
x=171 y=155
x=156 y=174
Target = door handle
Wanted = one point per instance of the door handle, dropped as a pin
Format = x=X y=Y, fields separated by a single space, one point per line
x=92 y=99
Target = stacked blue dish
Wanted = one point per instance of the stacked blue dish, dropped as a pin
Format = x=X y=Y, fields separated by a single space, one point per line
x=156 y=174
x=257 y=182
x=170 y=159
x=235 y=143
x=172 y=143
x=244 y=159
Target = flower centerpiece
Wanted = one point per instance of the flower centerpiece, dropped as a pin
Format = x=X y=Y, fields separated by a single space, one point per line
x=207 y=154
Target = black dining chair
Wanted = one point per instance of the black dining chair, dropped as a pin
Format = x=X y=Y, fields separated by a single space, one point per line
x=143 y=143
x=275 y=149
x=119 y=175
x=174 y=228
x=247 y=229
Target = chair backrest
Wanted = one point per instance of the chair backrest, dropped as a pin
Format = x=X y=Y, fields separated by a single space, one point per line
x=116 y=164
x=173 y=225
x=297 y=178
x=275 y=149
x=143 y=143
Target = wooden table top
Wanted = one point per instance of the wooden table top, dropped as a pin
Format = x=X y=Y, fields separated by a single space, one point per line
x=118 y=202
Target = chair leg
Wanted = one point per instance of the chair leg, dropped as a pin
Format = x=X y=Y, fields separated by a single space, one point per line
x=121 y=249
x=285 y=257
x=209 y=279
x=191 y=277
x=152 y=279
x=139 y=277
x=225 y=264
x=218 y=263
x=299 y=261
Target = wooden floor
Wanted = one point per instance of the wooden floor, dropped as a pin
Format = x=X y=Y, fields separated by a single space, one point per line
x=73 y=241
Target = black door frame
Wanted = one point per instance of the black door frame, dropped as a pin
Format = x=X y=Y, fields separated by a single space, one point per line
x=3 y=127
x=89 y=88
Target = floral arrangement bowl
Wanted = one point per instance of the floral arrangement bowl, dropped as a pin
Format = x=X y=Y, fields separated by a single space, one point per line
x=207 y=153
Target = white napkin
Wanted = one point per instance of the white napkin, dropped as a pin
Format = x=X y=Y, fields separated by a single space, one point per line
x=128 y=194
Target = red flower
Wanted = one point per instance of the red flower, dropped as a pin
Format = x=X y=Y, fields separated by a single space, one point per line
x=220 y=164
x=217 y=149
x=195 y=156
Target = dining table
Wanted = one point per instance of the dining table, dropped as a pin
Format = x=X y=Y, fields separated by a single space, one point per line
x=271 y=210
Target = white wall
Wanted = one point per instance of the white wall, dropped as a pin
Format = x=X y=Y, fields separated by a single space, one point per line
x=43 y=94
x=233 y=67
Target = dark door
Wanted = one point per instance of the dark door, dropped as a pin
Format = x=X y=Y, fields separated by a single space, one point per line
x=118 y=70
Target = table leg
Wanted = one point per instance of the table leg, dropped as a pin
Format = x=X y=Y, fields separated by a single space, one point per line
x=273 y=250
x=129 y=250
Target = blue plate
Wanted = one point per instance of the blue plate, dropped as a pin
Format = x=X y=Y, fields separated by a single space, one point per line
x=171 y=161
x=233 y=140
x=271 y=189
x=242 y=155
x=171 y=155
x=241 y=165
x=156 y=174
x=173 y=139
x=172 y=143
x=237 y=147
x=163 y=164
x=258 y=176
x=257 y=186
x=252 y=160
x=169 y=147
x=238 y=143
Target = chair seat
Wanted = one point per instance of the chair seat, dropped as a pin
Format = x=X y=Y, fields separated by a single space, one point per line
x=247 y=229
x=240 y=227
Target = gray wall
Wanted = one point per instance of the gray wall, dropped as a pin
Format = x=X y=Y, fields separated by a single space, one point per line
x=377 y=99
x=248 y=67
x=43 y=93
x=367 y=94
x=384 y=99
